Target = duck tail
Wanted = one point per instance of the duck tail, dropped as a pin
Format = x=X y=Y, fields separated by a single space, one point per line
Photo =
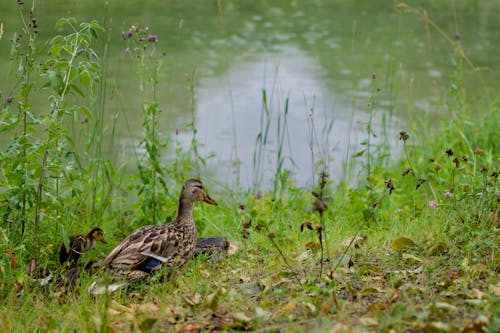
x=63 y=253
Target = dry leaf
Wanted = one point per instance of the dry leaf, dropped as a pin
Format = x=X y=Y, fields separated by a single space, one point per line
x=495 y=289
x=12 y=259
x=233 y=247
x=290 y=307
x=240 y=317
x=368 y=321
x=402 y=243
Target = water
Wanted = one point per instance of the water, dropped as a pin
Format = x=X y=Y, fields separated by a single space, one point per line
x=320 y=55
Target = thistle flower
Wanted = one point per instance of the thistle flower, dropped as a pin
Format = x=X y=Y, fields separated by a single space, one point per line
x=433 y=204
x=403 y=136
x=152 y=38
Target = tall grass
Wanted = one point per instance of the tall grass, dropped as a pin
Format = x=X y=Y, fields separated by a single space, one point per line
x=445 y=184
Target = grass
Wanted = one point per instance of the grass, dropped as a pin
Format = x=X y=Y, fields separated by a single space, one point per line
x=425 y=256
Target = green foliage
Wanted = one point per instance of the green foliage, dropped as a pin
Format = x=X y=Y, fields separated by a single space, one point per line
x=428 y=260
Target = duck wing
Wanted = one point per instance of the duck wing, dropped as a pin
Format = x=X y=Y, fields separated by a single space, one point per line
x=76 y=245
x=140 y=246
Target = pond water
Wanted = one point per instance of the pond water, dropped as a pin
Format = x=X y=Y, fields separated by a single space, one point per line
x=326 y=59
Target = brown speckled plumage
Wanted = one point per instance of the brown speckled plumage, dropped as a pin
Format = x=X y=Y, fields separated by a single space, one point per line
x=174 y=243
x=79 y=244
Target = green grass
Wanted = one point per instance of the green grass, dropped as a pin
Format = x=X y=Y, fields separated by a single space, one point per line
x=429 y=259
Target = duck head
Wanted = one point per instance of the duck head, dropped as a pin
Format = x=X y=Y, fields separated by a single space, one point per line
x=193 y=190
x=97 y=234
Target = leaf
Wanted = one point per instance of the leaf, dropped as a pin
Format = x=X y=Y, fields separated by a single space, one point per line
x=437 y=249
x=240 y=317
x=402 y=243
x=147 y=324
x=12 y=259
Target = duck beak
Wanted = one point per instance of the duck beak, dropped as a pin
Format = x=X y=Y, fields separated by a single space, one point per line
x=209 y=200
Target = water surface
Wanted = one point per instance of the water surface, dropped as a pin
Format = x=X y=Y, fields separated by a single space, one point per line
x=321 y=56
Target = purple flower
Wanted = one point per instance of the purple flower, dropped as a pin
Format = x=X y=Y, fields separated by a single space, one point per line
x=127 y=51
x=433 y=204
x=9 y=99
x=130 y=33
x=448 y=195
x=458 y=36
x=153 y=38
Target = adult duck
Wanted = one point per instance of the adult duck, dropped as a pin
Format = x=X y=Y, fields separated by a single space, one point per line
x=153 y=246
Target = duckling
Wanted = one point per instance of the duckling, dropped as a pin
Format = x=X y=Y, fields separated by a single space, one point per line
x=79 y=244
x=153 y=246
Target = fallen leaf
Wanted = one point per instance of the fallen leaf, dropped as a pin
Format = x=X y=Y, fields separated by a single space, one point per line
x=437 y=326
x=289 y=307
x=313 y=246
x=478 y=326
x=495 y=289
x=437 y=249
x=240 y=317
x=12 y=259
x=368 y=321
x=402 y=243
x=412 y=257
x=444 y=306
x=324 y=309
x=147 y=324
x=145 y=308
x=233 y=247
x=477 y=294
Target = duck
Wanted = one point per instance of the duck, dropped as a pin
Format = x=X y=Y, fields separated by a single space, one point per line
x=79 y=244
x=151 y=247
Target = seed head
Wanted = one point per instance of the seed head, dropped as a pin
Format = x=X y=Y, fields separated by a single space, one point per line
x=403 y=136
x=449 y=152
x=478 y=151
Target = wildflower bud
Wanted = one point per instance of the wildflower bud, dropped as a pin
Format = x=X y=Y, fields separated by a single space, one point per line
x=247 y=224
x=403 y=136
x=495 y=174
x=449 y=152
x=127 y=51
x=374 y=76
x=152 y=38
x=324 y=177
x=319 y=206
x=245 y=234
x=432 y=159
x=307 y=224
x=271 y=235
x=437 y=167
x=465 y=158
x=20 y=2
x=478 y=151
x=390 y=185
x=433 y=204
x=8 y=99
x=484 y=169
x=456 y=160
x=318 y=228
x=458 y=36
x=407 y=171
x=420 y=181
